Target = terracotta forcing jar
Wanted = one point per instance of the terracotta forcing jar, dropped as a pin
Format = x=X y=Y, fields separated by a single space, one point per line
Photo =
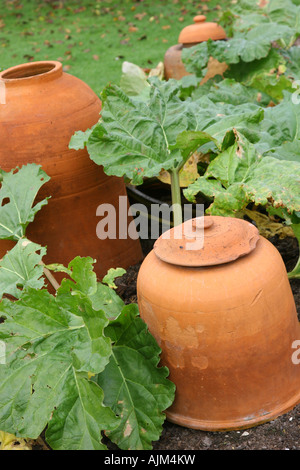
x=40 y=109
x=224 y=316
x=191 y=35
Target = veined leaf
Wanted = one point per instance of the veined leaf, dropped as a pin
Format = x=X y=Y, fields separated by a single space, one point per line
x=265 y=181
x=107 y=299
x=233 y=165
x=111 y=275
x=134 y=387
x=226 y=202
x=292 y=62
x=134 y=138
x=84 y=282
x=84 y=279
x=275 y=182
x=80 y=138
x=189 y=141
x=231 y=92
x=81 y=406
x=17 y=195
x=134 y=81
x=288 y=151
x=217 y=129
x=52 y=343
x=196 y=58
x=20 y=268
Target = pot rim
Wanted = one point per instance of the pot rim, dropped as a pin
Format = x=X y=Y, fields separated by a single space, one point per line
x=45 y=70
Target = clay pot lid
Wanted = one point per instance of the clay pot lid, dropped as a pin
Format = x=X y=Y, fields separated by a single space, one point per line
x=207 y=241
x=201 y=31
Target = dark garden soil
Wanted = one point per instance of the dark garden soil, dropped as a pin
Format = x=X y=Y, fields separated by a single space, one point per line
x=281 y=434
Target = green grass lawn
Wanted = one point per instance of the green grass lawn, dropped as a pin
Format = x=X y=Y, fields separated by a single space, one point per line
x=92 y=39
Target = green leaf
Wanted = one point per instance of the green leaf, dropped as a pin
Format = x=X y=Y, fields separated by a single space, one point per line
x=243 y=119
x=226 y=202
x=189 y=141
x=81 y=406
x=111 y=275
x=134 y=81
x=265 y=75
x=84 y=282
x=281 y=123
x=196 y=58
x=233 y=165
x=17 y=194
x=107 y=299
x=288 y=151
x=295 y=273
x=285 y=13
x=275 y=182
x=236 y=49
x=134 y=387
x=134 y=138
x=231 y=92
x=52 y=344
x=247 y=47
x=20 y=268
x=79 y=139
x=82 y=273
x=238 y=181
x=292 y=62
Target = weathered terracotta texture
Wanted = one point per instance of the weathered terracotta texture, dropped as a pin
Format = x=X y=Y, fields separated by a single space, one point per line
x=191 y=35
x=43 y=108
x=226 y=334
x=207 y=241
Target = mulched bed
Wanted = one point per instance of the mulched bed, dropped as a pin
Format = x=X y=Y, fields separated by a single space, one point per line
x=281 y=434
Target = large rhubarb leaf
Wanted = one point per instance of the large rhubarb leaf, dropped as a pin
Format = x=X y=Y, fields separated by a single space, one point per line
x=275 y=182
x=196 y=58
x=134 y=387
x=52 y=344
x=17 y=194
x=218 y=129
x=134 y=138
x=292 y=62
x=84 y=281
x=229 y=91
x=287 y=151
x=253 y=45
x=235 y=162
x=241 y=176
x=21 y=268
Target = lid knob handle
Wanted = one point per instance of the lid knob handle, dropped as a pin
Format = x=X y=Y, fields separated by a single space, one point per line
x=203 y=222
x=199 y=18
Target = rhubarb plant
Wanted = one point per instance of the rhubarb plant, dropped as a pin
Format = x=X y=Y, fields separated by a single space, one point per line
x=253 y=28
x=80 y=363
x=137 y=138
x=239 y=175
x=134 y=138
x=243 y=142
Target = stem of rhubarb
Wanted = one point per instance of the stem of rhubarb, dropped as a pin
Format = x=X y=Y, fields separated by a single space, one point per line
x=176 y=197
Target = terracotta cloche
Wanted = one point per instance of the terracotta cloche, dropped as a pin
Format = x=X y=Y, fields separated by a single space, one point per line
x=41 y=107
x=216 y=296
x=200 y=31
